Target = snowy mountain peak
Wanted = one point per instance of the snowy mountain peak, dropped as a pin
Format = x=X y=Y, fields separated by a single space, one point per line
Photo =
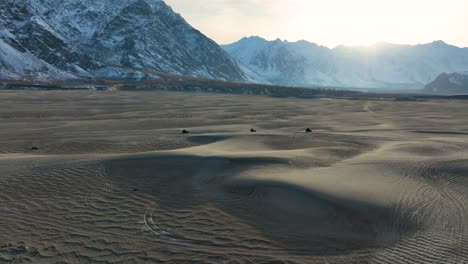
x=109 y=38
x=252 y=38
x=440 y=43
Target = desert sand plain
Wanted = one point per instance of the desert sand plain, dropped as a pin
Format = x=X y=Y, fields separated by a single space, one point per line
x=115 y=181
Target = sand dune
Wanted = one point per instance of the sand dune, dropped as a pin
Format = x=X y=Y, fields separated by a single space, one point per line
x=115 y=181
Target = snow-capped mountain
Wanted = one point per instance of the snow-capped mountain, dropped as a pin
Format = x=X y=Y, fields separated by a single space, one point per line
x=64 y=39
x=382 y=65
x=449 y=83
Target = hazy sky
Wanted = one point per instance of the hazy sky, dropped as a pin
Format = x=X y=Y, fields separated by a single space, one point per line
x=330 y=22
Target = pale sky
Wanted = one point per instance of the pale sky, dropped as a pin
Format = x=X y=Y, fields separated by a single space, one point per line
x=330 y=22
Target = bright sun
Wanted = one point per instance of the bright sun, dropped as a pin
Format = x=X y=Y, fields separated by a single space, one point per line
x=331 y=22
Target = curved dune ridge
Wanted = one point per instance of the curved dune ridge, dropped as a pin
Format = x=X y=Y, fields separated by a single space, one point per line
x=349 y=192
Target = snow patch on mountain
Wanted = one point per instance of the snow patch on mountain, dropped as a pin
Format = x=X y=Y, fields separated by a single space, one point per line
x=17 y=65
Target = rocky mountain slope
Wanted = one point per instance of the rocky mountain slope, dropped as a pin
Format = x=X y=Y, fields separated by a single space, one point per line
x=449 y=83
x=383 y=65
x=63 y=39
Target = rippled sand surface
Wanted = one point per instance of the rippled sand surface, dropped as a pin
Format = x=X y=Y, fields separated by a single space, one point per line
x=115 y=181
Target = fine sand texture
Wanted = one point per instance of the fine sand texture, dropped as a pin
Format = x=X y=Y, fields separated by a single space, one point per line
x=114 y=179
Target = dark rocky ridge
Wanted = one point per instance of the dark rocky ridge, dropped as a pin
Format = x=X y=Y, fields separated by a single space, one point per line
x=449 y=83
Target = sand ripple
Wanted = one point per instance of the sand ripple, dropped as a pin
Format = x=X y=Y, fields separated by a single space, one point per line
x=383 y=189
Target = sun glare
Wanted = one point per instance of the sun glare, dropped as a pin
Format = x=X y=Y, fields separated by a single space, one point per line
x=331 y=22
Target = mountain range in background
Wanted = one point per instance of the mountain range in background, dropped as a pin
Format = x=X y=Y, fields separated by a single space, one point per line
x=135 y=39
x=382 y=65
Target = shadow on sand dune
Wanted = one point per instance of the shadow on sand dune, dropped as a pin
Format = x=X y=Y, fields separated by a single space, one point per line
x=290 y=217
